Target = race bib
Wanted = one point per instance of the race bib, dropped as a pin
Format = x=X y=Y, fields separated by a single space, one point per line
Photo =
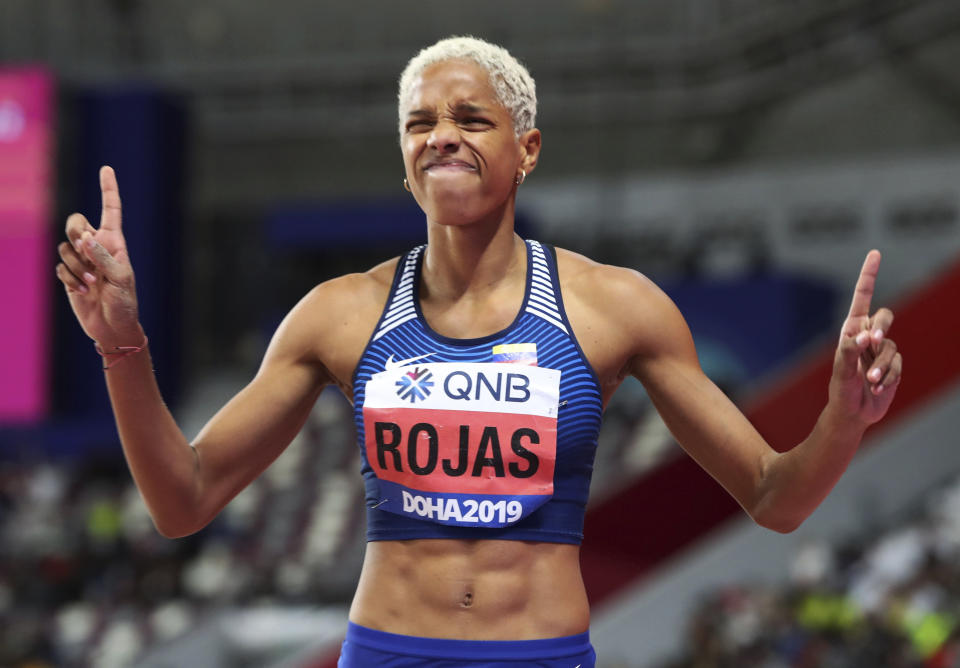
x=467 y=444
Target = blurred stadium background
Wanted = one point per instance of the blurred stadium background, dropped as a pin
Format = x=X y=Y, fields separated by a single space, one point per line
x=745 y=154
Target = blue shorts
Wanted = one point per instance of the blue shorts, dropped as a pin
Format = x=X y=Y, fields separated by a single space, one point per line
x=363 y=648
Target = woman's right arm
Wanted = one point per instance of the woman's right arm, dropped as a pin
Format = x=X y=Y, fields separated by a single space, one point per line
x=185 y=485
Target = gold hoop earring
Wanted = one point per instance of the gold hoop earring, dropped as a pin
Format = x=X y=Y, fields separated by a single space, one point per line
x=521 y=177
x=406 y=186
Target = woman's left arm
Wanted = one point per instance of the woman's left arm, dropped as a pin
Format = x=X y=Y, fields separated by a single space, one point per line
x=778 y=490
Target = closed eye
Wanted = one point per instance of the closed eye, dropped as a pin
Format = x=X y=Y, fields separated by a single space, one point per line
x=476 y=123
x=420 y=125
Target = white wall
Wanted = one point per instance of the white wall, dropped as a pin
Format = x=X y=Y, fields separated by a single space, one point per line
x=784 y=204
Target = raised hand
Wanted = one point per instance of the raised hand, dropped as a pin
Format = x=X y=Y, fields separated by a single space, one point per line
x=95 y=270
x=867 y=366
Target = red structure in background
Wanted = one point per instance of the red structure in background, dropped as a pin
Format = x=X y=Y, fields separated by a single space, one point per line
x=26 y=263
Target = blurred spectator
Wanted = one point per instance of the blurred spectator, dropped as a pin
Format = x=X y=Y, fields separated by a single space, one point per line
x=889 y=602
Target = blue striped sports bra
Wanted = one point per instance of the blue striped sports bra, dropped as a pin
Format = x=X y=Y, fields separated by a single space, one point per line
x=491 y=437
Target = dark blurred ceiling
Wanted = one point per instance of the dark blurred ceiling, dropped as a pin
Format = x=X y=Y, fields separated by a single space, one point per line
x=260 y=71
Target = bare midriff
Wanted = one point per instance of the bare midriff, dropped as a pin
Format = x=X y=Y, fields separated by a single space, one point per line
x=472 y=590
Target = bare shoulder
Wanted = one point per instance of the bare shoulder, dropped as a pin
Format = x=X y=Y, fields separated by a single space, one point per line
x=332 y=323
x=617 y=314
x=607 y=288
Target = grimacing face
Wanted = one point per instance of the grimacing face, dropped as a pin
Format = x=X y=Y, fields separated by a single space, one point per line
x=459 y=148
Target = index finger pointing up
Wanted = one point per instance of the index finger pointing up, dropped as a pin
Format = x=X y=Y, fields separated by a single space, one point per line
x=863 y=293
x=110 y=193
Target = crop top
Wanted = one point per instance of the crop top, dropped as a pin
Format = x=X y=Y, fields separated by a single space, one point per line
x=491 y=437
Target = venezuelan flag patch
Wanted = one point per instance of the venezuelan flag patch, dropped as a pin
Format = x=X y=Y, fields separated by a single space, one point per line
x=516 y=353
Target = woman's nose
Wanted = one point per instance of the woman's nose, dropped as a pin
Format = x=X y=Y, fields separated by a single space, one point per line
x=445 y=137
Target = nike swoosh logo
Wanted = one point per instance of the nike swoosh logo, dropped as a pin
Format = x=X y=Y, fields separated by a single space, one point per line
x=389 y=365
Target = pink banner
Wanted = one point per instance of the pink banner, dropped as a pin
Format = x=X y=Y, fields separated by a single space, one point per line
x=26 y=182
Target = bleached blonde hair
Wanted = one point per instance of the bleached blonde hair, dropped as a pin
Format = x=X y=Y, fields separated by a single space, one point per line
x=511 y=81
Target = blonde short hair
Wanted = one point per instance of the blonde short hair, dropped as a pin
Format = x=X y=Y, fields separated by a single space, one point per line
x=511 y=81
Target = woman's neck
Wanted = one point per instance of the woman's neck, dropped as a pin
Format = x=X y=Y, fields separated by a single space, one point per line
x=465 y=258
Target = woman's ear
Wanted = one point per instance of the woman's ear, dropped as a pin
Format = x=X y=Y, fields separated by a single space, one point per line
x=530 y=146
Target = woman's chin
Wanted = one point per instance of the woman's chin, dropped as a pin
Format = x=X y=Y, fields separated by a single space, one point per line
x=458 y=209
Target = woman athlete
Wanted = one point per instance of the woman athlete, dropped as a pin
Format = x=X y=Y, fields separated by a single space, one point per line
x=478 y=366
